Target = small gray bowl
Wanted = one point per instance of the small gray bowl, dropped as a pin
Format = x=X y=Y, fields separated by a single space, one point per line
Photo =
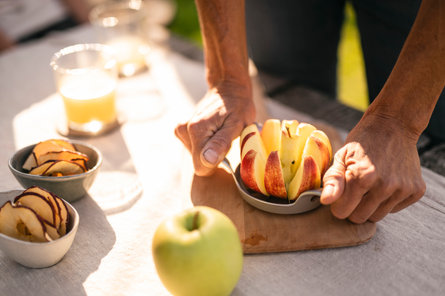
x=70 y=188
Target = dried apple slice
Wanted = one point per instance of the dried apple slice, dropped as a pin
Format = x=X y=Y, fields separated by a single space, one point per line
x=39 y=170
x=63 y=168
x=39 y=204
x=61 y=155
x=64 y=216
x=30 y=162
x=49 y=197
x=22 y=223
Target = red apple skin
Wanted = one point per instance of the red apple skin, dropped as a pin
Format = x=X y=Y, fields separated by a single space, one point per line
x=312 y=176
x=247 y=170
x=273 y=176
x=324 y=152
x=246 y=138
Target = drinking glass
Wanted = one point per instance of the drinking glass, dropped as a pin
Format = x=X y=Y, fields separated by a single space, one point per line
x=122 y=25
x=86 y=79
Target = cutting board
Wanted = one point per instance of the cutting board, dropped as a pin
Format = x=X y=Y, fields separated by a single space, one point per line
x=262 y=232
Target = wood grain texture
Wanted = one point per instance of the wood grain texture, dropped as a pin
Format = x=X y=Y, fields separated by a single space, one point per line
x=262 y=232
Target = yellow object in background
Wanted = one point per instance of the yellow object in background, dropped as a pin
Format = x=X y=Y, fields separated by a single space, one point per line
x=351 y=84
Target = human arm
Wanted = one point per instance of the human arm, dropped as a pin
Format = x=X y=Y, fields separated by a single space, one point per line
x=228 y=105
x=378 y=170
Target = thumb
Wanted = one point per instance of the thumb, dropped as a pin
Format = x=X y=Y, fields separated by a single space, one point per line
x=216 y=149
x=334 y=179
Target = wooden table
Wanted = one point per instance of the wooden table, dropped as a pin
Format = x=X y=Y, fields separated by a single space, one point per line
x=147 y=176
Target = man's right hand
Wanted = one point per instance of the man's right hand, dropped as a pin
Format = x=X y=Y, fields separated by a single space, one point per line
x=220 y=117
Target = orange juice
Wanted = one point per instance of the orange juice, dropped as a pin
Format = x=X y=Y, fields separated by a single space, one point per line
x=89 y=97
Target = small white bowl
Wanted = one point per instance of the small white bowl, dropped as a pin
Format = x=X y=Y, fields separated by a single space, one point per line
x=33 y=254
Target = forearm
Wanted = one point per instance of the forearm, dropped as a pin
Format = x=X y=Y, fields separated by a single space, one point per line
x=418 y=78
x=224 y=37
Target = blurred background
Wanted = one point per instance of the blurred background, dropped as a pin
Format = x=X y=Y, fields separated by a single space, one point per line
x=352 y=89
x=18 y=16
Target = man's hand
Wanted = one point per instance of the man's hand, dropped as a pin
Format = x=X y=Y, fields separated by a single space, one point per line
x=377 y=172
x=220 y=118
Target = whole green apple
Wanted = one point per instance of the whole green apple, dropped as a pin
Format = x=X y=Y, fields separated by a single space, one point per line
x=198 y=252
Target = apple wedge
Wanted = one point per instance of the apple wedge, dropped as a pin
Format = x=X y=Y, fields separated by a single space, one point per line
x=319 y=151
x=22 y=223
x=307 y=177
x=273 y=176
x=252 y=171
x=271 y=135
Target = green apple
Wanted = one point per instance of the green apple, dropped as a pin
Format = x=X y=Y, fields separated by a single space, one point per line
x=198 y=252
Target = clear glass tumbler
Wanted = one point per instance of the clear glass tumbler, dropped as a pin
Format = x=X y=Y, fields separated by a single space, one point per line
x=86 y=79
x=122 y=25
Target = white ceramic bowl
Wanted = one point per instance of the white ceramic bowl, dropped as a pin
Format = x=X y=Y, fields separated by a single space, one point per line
x=70 y=188
x=38 y=255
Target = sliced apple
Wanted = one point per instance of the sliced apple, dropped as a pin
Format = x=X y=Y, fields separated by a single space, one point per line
x=251 y=128
x=64 y=216
x=273 y=176
x=319 y=151
x=63 y=168
x=290 y=126
x=22 y=223
x=39 y=204
x=39 y=170
x=271 y=135
x=61 y=155
x=30 y=162
x=52 y=231
x=252 y=141
x=294 y=156
x=252 y=171
x=307 y=177
x=49 y=197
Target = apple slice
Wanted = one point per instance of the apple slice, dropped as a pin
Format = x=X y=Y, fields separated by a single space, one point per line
x=39 y=170
x=30 y=162
x=319 y=150
x=307 y=177
x=22 y=223
x=49 y=197
x=63 y=168
x=273 y=176
x=325 y=139
x=64 y=216
x=251 y=128
x=271 y=135
x=39 y=204
x=252 y=171
x=61 y=155
x=252 y=141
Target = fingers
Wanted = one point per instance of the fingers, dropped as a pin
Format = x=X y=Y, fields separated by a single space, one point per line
x=207 y=143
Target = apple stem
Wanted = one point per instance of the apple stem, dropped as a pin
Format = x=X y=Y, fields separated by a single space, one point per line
x=195 y=221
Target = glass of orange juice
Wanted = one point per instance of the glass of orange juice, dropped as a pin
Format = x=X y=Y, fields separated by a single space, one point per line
x=86 y=78
x=123 y=25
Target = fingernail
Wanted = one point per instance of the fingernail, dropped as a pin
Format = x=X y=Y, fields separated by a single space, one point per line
x=211 y=156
